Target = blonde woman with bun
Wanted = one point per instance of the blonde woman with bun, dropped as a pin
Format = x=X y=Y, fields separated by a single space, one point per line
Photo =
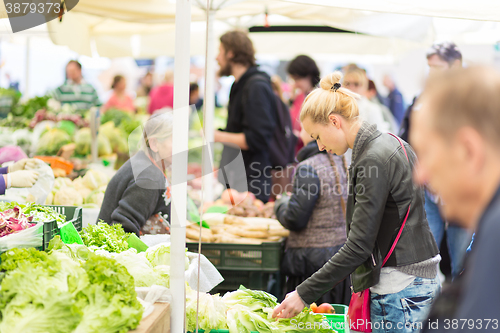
x=382 y=200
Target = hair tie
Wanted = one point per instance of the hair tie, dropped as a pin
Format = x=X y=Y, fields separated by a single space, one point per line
x=336 y=86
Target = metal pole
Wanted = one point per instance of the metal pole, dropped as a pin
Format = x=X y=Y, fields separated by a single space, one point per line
x=26 y=92
x=209 y=107
x=179 y=164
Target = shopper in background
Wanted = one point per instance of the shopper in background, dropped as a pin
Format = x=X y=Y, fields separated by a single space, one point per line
x=119 y=100
x=315 y=215
x=356 y=81
x=18 y=174
x=455 y=134
x=442 y=57
x=163 y=95
x=145 y=85
x=374 y=97
x=140 y=188
x=251 y=119
x=75 y=91
x=380 y=203
x=194 y=95
x=394 y=100
x=305 y=74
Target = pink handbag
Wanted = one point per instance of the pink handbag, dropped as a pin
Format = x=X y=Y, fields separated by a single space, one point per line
x=359 y=307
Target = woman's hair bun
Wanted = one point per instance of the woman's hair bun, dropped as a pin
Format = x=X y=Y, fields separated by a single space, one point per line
x=328 y=82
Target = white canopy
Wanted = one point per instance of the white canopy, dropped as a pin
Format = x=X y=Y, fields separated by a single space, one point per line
x=133 y=28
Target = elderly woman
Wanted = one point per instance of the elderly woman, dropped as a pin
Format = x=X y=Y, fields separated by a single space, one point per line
x=140 y=188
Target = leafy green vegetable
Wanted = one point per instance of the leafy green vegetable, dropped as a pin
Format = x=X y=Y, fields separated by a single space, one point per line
x=43 y=213
x=160 y=255
x=116 y=116
x=111 y=300
x=39 y=296
x=251 y=310
x=51 y=141
x=51 y=293
x=111 y=238
x=145 y=275
x=211 y=314
x=11 y=259
x=77 y=252
x=255 y=300
x=31 y=106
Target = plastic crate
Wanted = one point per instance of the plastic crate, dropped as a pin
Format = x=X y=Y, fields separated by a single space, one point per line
x=338 y=321
x=265 y=257
x=50 y=229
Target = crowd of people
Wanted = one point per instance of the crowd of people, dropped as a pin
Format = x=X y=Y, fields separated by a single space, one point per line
x=81 y=95
x=375 y=187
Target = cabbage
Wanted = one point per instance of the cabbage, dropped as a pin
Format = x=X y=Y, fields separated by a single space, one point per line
x=103 y=145
x=94 y=179
x=51 y=141
x=11 y=153
x=68 y=196
x=116 y=137
x=83 y=141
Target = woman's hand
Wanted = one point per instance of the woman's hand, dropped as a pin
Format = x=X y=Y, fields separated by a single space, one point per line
x=291 y=306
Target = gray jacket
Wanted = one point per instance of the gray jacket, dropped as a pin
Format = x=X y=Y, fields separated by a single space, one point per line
x=380 y=190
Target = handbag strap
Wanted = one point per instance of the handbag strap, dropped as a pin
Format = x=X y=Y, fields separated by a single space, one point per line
x=407 y=213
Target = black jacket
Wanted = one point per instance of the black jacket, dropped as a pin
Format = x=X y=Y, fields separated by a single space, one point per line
x=257 y=120
x=133 y=196
x=380 y=190
x=473 y=296
x=294 y=211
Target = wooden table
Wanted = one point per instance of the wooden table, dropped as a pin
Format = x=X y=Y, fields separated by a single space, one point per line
x=156 y=322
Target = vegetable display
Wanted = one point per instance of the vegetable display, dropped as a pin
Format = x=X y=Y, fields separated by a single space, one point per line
x=234 y=229
x=50 y=292
x=51 y=141
x=248 y=310
x=87 y=190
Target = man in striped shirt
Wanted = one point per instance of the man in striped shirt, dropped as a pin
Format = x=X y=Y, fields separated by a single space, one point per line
x=75 y=91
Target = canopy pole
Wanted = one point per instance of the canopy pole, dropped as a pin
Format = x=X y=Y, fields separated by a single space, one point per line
x=179 y=164
x=26 y=93
x=208 y=109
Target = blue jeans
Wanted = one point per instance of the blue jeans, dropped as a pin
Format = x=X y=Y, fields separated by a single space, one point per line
x=458 y=239
x=405 y=311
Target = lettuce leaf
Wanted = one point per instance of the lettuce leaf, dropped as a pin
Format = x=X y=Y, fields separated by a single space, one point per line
x=211 y=314
x=111 y=238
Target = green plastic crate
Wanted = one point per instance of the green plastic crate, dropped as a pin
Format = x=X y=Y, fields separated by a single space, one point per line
x=219 y=331
x=338 y=321
x=265 y=257
x=50 y=229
